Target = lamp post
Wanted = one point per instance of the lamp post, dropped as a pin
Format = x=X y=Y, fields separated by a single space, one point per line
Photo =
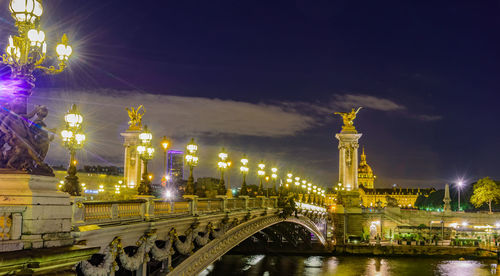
x=289 y=181
x=315 y=193
x=165 y=144
x=27 y=51
x=73 y=139
x=146 y=152
x=297 y=185
x=222 y=164
x=244 y=172
x=192 y=161
x=460 y=183
x=261 y=174
x=274 y=176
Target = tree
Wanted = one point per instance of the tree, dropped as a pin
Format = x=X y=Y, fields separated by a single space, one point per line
x=485 y=191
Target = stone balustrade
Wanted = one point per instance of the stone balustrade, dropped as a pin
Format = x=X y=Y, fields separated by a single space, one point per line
x=111 y=212
x=10 y=227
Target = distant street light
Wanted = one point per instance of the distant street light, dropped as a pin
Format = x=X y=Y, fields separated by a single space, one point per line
x=165 y=144
x=192 y=161
x=274 y=176
x=261 y=174
x=460 y=183
x=146 y=152
x=289 y=180
x=244 y=172
x=222 y=164
x=73 y=139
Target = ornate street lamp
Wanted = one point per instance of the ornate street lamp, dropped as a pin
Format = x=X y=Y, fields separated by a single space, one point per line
x=460 y=183
x=244 y=172
x=73 y=140
x=27 y=51
x=261 y=173
x=165 y=144
x=222 y=164
x=146 y=152
x=308 y=190
x=274 y=176
x=289 y=180
x=192 y=161
x=297 y=184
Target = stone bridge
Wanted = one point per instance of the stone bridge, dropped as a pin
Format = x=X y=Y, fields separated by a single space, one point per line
x=198 y=232
x=143 y=236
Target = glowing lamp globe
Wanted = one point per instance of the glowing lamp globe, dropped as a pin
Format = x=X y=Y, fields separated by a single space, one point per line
x=150 y=152
x=146 y=136
x=244 y=161
x=223 y=155
x=80 y=138
x=222 y=165
x=73 y=117
x=66 y=135
x=141 y=149
x=192 y=147
x=289 y=175
x=165 y=143
x=26 y=10
x=36 y=37
x=63 y=50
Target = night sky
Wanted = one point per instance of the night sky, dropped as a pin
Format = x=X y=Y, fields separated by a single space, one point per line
x=264 y=78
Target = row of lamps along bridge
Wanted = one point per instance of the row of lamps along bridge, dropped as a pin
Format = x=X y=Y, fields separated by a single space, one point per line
x=73 y=139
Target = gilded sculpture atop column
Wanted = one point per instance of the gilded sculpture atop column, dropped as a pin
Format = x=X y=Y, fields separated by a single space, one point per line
x=135 y=115
x=348 y=119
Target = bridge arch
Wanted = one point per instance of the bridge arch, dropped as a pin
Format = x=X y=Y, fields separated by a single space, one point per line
x=216 y=248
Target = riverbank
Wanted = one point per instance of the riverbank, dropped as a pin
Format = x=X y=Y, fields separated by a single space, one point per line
x=412 y=250
x=376 y=250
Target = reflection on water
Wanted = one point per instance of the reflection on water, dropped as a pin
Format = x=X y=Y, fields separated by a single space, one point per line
x=347 y=266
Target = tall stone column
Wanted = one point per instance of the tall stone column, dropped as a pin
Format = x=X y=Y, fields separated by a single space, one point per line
x=348 y=159
x=132 y=165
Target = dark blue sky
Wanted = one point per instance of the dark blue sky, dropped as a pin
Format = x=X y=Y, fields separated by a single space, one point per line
x=438 y=61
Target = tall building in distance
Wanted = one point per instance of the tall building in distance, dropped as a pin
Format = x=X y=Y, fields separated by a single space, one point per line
x=365 y=173
x=175 y=167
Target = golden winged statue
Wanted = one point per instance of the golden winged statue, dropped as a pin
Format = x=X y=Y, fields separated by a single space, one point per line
x=135 y=115
x=348 y=118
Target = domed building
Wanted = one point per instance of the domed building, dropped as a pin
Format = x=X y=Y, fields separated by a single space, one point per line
x=365 y=173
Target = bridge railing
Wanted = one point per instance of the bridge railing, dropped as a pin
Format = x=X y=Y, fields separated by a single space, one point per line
x=10 y=223
x=164 y=208
x=101 y=212
x=147 y=208
x=235 y=204
x=206 y=205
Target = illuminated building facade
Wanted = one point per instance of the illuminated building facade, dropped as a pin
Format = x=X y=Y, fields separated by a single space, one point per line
x=175 y=167
x=405 y=197
x=366 y=178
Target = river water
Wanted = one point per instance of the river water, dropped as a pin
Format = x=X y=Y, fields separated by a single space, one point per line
x=346 y=266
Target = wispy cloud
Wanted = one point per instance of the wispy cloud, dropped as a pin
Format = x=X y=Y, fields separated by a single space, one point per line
x=185 y=116
x=429 y=118
x=348 y=101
